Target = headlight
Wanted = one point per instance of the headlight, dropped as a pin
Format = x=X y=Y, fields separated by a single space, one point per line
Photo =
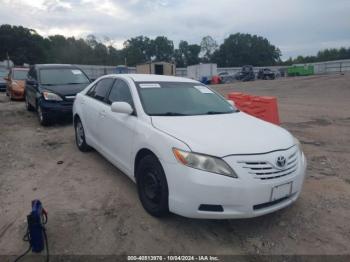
x=51 y=96
x=298 y=144
x=204 y=162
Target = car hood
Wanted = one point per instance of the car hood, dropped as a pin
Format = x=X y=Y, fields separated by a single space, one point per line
x=20 y=83
x=227 y=134
x=65 y=90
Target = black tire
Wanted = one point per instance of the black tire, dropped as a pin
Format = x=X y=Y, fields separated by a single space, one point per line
x=152 y=186
x=80 y=136
x=29 y=107
x=44 y=119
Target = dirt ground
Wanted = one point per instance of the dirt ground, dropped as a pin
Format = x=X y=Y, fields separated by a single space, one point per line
x=94 y=208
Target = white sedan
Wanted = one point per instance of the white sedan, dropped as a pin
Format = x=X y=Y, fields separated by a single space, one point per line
x=189 y=150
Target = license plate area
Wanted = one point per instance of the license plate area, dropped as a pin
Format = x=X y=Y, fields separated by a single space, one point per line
x=281 y=191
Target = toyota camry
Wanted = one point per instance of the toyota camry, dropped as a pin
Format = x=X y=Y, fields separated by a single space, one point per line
x=189 y=151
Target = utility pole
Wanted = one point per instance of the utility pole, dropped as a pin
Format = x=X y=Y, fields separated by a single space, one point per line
x=8 y=60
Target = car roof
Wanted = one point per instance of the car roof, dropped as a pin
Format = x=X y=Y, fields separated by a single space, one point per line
x=155 y=78
x=41 y=66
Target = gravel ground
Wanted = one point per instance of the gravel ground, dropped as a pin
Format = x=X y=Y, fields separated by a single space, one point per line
x=94 y=208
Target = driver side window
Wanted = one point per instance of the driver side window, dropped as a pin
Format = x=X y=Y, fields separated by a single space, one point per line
x=100 y=90
x=120 y=92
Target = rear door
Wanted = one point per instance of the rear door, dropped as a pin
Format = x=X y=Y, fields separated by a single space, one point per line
x=118 y=130
x=31 y=89
x=95 y=107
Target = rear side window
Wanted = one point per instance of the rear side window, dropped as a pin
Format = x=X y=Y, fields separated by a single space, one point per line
x=120 y=92
x=100 y=90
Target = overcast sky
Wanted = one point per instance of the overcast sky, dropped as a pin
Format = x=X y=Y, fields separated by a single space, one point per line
x=295 y=26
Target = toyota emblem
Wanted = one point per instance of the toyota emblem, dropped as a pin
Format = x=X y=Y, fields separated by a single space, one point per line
x=281 y=161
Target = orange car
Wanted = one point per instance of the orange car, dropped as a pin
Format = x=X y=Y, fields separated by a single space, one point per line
x=16 y=82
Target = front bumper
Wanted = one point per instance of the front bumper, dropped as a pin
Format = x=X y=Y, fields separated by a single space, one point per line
x=243 y=197
x=17 y=93
x=56 y=108
x=2 y=87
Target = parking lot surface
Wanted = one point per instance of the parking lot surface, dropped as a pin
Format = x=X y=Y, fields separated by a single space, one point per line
x=94 y=209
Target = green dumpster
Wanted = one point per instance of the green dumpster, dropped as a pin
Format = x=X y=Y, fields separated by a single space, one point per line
x=306 y=70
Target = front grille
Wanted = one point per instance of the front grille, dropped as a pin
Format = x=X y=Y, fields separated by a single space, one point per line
x=272 y=203
x=265 y=170
x=70 y=98
x=211 y=208
x=66 y=103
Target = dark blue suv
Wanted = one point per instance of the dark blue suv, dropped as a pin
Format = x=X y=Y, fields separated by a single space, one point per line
x=51 y=90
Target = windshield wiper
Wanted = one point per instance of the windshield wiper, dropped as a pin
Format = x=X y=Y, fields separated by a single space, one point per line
x=63 y=84
x=169 y=114
x=216 y=113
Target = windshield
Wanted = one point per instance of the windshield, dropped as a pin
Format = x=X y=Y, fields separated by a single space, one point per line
x=181 y=99
x=20 y=74
x=62 y=76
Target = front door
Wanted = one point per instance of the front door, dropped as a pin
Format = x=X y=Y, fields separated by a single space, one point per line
x=94 y=107
x=118 y=130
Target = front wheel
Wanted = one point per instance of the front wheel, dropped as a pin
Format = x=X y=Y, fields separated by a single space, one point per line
x=43 y=118
x=152 y=186
x=80 y=137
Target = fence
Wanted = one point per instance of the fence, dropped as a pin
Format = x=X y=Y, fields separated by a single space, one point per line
x=95 y=71
x=6 y=64
x=231 y=70
x=331 y=67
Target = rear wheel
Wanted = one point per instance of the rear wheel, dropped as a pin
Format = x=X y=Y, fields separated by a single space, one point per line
x=29 y=107
x=152 y=186
x=80 y=137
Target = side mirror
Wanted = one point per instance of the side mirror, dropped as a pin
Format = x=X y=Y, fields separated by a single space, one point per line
x=232 y=103
x=122 y=108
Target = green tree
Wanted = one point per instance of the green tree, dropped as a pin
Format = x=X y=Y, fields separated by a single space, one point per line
x=322 y=56
x=187 y=54
x=240 y=49
x=162 y=49
x=138 y=50
x=23 y=45
x=208 y=47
